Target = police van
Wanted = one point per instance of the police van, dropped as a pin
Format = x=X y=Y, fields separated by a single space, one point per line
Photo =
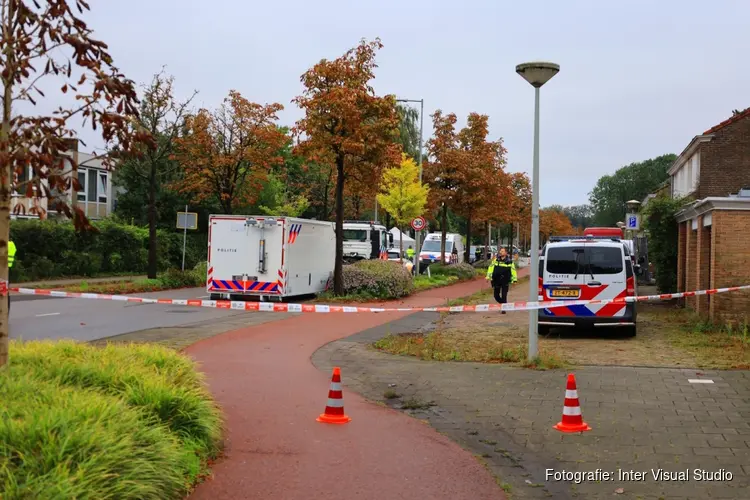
x=578 y=268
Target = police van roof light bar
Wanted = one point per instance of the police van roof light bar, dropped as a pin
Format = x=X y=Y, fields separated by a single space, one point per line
x=583 y=238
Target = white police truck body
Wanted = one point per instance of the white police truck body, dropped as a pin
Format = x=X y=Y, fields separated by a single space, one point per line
x=365 y=240
x=268 y=257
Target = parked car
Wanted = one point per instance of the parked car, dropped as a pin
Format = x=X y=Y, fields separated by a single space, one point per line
x=581 y=268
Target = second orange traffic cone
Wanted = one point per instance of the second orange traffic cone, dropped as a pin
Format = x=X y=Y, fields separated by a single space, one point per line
x=572 y=420
x=334 y=412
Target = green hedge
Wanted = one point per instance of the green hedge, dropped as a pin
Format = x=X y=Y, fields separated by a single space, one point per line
x=51 y=249
x=461 y=271
x=379 y=279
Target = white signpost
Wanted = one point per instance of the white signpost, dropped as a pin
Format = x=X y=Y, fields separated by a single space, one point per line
x=186 y=220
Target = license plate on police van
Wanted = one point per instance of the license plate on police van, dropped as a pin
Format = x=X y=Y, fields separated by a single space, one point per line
x=565 y=293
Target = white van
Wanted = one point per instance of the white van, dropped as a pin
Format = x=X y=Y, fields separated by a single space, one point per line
x=430 y=253
x=587 y=268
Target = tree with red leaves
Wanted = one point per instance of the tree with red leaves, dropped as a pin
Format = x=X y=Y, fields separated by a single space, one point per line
x=226 y=155
x=480 y=180
x=41 y=41
x=347 y=126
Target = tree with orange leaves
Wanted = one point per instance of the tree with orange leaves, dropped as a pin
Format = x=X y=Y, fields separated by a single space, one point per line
x=512 y=206
x=554 y=223
x=480 y=179
x=226 y=155
x=348 y=126
x=440 y=170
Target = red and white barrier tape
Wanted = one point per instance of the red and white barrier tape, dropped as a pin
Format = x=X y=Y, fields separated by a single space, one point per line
x=280 y=307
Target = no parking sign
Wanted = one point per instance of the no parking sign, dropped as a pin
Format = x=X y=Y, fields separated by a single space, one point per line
x=418 y=223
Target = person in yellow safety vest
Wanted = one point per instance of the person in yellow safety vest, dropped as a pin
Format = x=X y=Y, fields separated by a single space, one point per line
x=501 y=274
x=11 y=260
x=410 y=253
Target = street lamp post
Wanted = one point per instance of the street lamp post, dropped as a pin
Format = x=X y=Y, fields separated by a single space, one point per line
x=537 y=74
x=417 y=234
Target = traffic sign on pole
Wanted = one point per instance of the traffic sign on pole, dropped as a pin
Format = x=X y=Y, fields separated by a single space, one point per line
x=418 y=223
x=633 y=222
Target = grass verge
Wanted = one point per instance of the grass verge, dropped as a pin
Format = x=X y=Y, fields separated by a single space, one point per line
x=123 y=421
x=170 y=280
x=453 y=346
x=710 y=345
x=667 y=337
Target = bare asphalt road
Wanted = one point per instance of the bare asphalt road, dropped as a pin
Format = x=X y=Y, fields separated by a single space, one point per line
x=39 y=317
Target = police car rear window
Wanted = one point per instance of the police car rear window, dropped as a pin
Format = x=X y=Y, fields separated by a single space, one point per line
x=562 y=260
x=592 y=259
x=604 y=260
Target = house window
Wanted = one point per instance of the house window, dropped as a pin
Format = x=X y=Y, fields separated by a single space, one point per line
x=102 y=188
x=91 y=186
x=82 y=181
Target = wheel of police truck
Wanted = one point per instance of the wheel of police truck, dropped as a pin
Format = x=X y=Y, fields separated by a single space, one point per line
x=216 y=296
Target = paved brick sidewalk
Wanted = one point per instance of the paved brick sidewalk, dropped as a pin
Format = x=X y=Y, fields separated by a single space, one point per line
x=643 y=418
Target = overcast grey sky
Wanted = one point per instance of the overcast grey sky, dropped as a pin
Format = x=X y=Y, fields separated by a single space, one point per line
x=638 y=79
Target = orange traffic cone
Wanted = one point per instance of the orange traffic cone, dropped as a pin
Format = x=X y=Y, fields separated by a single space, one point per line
x=334 y=413
x=572 y=420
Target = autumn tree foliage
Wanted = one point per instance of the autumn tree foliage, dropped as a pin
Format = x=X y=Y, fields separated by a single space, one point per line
x=440 y=171
x=480 y=179
x=227 y=154
x=402 y=195
x=163 y=117
x=49 y=42
x=554 y=223
x=347 y=126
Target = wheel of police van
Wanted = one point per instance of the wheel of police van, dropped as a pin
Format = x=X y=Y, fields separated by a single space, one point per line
x=630 y=331
x=215 y=296
x=544 y=329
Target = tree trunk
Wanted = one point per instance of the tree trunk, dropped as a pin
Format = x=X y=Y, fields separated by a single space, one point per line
x=338 y=268
x=6 y=174
x=152 y=256
x=401 y=247
x=444 y=231
x=5 y=189
x=467 y=250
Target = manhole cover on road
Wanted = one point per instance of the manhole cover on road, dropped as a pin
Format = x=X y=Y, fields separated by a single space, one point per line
x=181 y=311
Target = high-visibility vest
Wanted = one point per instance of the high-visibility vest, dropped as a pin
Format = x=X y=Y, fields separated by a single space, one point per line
x=410 y=252
x=11 y=253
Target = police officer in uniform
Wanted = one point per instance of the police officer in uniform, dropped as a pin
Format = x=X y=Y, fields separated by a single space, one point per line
x=501 y=274
x=11 y=259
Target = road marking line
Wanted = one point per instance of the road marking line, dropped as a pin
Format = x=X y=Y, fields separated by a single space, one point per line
x=700 y=381
x=46 y=314
x=204 y=297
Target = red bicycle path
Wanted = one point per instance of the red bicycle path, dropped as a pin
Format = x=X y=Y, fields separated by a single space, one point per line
x=271 y=394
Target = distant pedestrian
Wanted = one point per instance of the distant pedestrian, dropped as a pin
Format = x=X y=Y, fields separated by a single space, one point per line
x=410 y=253
x=501 y=274
x=11 y=260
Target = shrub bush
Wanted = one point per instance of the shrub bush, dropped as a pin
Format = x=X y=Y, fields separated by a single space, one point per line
x=378 y=279
x=52 y=249
x=481 y=264
x=125 y=421
x=462 y=271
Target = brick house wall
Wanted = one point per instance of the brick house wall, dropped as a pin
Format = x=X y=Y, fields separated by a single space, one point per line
x=725 y=159
x=703 y=265
x=681 y=256
x=730 y=264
